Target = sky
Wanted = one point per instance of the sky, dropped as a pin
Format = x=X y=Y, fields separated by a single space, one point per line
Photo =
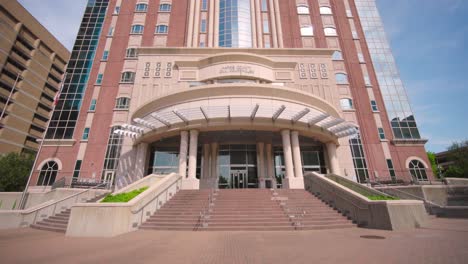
x=428 y=39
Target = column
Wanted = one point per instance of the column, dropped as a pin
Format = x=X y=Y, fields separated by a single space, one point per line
x=211 y=23
x=183 y=154
x=196 y=24
x=296 y=150
x=333 y=158
x=273 y=25
x=270 y=172
x=190 y=24
x=261 y=164
x=258 y=22
x=288 y=160
x=279 y=28
x=206 y=162
x=214 y=160
x=191 y=182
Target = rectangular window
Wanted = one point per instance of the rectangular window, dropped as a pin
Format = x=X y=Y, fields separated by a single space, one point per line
x=76 y=172
x=204 y=5
x=391 y=169
x=381 y=133
x=266 y=26
x=111 y=31
x=374 y=106
x=264 y=6
x=203 y=26
x=85 y=133
x=117 y=10
x=92 y=106
x=99 y=79
x=105 y=55
x=361 y=58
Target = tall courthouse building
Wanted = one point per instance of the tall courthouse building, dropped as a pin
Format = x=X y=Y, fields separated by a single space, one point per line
x=239 y=93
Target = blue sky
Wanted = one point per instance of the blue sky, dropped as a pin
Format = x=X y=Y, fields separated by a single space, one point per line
x=428 y=38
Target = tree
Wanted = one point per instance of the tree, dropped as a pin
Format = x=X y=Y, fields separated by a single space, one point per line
x=14 y=171
x=432 y=158
x=458 y=154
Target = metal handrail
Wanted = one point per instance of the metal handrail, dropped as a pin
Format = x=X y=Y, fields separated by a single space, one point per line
x=157 y=196
x=54 y=203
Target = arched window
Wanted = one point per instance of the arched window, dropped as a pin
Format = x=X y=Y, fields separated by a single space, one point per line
x=337 y=55
x=341 y=78
x=417 y=170
x=127 y=77
x=131 y=53
x=346 y=104
x=165 y=7
x=137 y=29
x=142 y=7
x=325 y=10
x=329 y=31
x=303 y=10
x=307 y=31
x=48 y=174
x=122 y=103
x=162 y=29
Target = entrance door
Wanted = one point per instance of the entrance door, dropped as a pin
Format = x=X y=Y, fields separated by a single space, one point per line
x=239 y=179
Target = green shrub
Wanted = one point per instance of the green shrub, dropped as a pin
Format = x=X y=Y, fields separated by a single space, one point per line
x=381 y=198
x=123 y=197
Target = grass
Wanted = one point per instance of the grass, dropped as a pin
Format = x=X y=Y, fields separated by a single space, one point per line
x=123 y=197
x=381 y=198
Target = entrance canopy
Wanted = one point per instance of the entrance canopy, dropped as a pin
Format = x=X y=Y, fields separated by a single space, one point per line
x=306 y=112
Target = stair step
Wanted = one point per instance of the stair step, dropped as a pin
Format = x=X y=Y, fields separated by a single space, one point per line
x=49 y=228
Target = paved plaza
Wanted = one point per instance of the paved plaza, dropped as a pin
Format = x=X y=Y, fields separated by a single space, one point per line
x=441 y=241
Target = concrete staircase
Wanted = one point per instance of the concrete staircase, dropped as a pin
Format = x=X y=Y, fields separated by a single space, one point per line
x=59 y=222
x=245 y=209
x=55 y=223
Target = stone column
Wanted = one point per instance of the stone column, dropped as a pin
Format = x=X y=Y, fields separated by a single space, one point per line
x=214 y=160
x=183 y=154
x=288 y=160
x=298 y=182
x=261 y=164
x=206 y=162
x=191 y=182
x=333 y=158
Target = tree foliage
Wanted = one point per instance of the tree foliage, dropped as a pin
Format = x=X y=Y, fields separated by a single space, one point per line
x=459 y=156
x=432 y=158
x=14 y=171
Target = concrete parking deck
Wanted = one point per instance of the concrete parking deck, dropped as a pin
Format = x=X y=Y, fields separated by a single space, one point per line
x=441 y=241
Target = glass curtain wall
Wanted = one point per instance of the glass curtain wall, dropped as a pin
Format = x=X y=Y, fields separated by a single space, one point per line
x=235 y=24
x=238 y=158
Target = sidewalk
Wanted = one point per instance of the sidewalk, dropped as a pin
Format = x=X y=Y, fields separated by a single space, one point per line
x=442 y=241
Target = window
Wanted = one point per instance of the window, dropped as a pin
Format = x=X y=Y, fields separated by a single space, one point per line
x=264 y=6
x=204 y=5
x=203 y=26
x=162 y=29
x=141 y=7
x=337 y=55
x=117 y=10
x=114 y=147
x=76 y=172
x=105 y=55
x=361 y=58
x=381 y=133
x=266 y=26
x=127 y=77
x=48 y=174
x=122 y=103
x=303 y=10
x=85 y=134
x=417 y=170
x=165 y=7
x=341 y=78
x=325 y=10
x=307 y=31
x=346 y=104
x=359 y=159
x=131 y=53
x=99 y=79
x=330 y=32
x=137 y=29
x=367 y=81
x=391 y=169
x=111 y=31
x=92 y=106
x=374 y=106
